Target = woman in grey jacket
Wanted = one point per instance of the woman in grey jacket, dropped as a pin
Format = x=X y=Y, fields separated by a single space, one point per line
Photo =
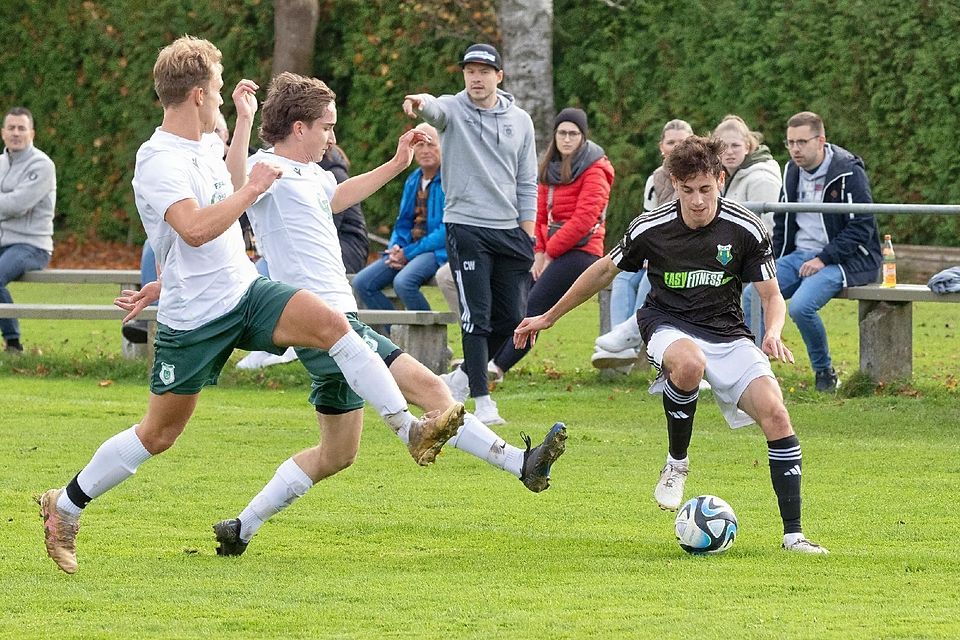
x=752 y=173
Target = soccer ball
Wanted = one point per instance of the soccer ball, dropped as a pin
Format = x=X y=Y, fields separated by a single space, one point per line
x=706 y=524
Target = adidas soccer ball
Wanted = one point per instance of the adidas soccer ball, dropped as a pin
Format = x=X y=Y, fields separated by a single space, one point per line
x=706 y=524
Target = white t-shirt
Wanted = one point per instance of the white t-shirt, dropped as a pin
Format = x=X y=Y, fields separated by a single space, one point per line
x=293 y=224
x=200 y=284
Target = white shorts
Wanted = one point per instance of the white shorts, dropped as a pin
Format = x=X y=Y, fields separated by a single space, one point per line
x=731 y=367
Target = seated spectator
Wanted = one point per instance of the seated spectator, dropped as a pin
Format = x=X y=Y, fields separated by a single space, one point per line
x=417 y=245
x=27 y=204
x=618 y=348
x=574 y=188
x=753 y=175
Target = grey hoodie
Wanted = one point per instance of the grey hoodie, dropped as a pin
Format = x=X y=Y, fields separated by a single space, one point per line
x=489 y=167
x=28 y=194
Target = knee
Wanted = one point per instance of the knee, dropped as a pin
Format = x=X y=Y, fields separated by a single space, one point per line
x=405 y=285
x=801 y=310
x=687 y=372
x=340 y=460
x=158 y=438
x=776 y=422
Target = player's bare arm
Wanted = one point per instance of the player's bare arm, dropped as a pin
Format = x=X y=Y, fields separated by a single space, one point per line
x=245 y=100
x=596 y=277
x=197 y=229
x=356 y=189
x=775 y=311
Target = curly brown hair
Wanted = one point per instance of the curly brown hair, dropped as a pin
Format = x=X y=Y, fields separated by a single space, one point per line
x=695 y=155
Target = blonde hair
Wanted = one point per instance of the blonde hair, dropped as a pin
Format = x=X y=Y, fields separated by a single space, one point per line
x=182 y=65
x=676 y=125
x=292 y=98
x=734 y=123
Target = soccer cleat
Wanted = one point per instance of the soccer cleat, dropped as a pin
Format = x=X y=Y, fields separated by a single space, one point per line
x=802 y=545
x=59 y=531
x=253 y=360
x=827 y=380
x=669 y=490
x=535 y=471
x=458 y=383
x=489 y=414
x=602 y=359
x=227 y=533
x=625 y=335
x=428 y=434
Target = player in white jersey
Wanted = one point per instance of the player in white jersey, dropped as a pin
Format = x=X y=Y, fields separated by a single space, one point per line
x=212 y=299
x=701 y=249
x=293 y=222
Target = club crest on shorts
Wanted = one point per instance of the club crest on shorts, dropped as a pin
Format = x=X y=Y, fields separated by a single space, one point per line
x=724 y=255
x=167 y=375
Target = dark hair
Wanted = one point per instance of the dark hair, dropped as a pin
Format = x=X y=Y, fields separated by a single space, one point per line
x=20 y=111
x=292 y=98
x=553 y=153
x=335 y=150
x=808 y=119
x=693 y=156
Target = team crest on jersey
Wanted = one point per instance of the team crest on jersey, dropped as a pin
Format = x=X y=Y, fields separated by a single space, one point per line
x=167 y=375
x=324 y=204
x=724 y=255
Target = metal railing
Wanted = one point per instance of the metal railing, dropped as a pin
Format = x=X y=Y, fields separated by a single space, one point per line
x=851 y=207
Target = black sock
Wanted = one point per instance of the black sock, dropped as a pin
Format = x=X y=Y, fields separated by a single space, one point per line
x=679 y=406
x=785 y=469
x=14 y=343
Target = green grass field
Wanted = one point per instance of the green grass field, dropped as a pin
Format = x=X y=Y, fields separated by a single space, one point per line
x=460 y=550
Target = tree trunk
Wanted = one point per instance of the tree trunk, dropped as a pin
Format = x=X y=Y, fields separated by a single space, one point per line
x=294 y=35
x=526 y=28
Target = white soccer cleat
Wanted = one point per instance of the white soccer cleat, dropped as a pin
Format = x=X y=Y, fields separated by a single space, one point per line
x=625 y=335
x=802 y=545
x=287 y=356
x=458 y=383
x=669 y=490
x=253 y=360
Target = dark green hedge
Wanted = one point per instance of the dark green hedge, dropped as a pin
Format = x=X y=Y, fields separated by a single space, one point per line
x=883 y=76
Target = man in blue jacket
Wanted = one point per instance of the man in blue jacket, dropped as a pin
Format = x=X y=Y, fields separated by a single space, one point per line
x=818 y=254
x=417 y=246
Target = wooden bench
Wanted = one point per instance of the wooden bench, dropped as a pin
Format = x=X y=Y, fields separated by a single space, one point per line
x=422 y=334
x=885 y=318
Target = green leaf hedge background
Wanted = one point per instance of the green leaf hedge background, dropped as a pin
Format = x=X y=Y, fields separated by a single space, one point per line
x=882 y=75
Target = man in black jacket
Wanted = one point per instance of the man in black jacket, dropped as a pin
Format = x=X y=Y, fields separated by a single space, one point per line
x=818 y=254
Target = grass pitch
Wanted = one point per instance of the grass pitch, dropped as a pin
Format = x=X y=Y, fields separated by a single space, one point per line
x=461 y=550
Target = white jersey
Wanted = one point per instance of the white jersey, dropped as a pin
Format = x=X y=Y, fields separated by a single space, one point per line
x=200 y=284
x=293 y=224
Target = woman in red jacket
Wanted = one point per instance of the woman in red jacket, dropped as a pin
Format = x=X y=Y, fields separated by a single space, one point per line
x=575 y=179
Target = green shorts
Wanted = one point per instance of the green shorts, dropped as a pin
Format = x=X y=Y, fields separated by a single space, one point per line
x=187 y=360
x=331 y=394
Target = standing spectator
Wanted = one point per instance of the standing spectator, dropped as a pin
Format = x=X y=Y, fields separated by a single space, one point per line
x=351 y=225
x=818 y=255
x=575 y=180
x=28 y=195
x=417 y=245
x=490 y=181
x=619 y=347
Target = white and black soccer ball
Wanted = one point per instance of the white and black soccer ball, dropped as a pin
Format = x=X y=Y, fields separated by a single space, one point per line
x=706 y=524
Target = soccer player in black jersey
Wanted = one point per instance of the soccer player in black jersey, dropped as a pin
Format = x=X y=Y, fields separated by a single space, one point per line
x=701 y=249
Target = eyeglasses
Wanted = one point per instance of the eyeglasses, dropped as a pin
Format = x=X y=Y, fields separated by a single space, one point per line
x=789 y=144
x=569 y=134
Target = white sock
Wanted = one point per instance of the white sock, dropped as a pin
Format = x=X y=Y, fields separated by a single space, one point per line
x=675 y=462
x=478 y=440
x=287 y=484
x=485 y=402
x=791 y=538
x=116 y=460
x=369 y=377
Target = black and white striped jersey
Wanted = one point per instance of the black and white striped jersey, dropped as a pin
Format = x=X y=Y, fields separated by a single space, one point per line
x=697 y=275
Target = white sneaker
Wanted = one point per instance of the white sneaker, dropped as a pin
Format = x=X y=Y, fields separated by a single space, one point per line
x=253 y=360
x=458 y=383
x=287 y=356
x=602 y=359
x=704 y=385
x=494 y=373
x=669 y=490
x=489 y=415
x=802 y=545
x=625 y=335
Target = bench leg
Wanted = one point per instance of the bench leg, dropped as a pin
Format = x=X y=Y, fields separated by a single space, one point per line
x=886 y=340
x=426 y=343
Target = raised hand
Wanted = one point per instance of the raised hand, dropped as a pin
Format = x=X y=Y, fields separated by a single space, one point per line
x=245 y=98
x=412 y=104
